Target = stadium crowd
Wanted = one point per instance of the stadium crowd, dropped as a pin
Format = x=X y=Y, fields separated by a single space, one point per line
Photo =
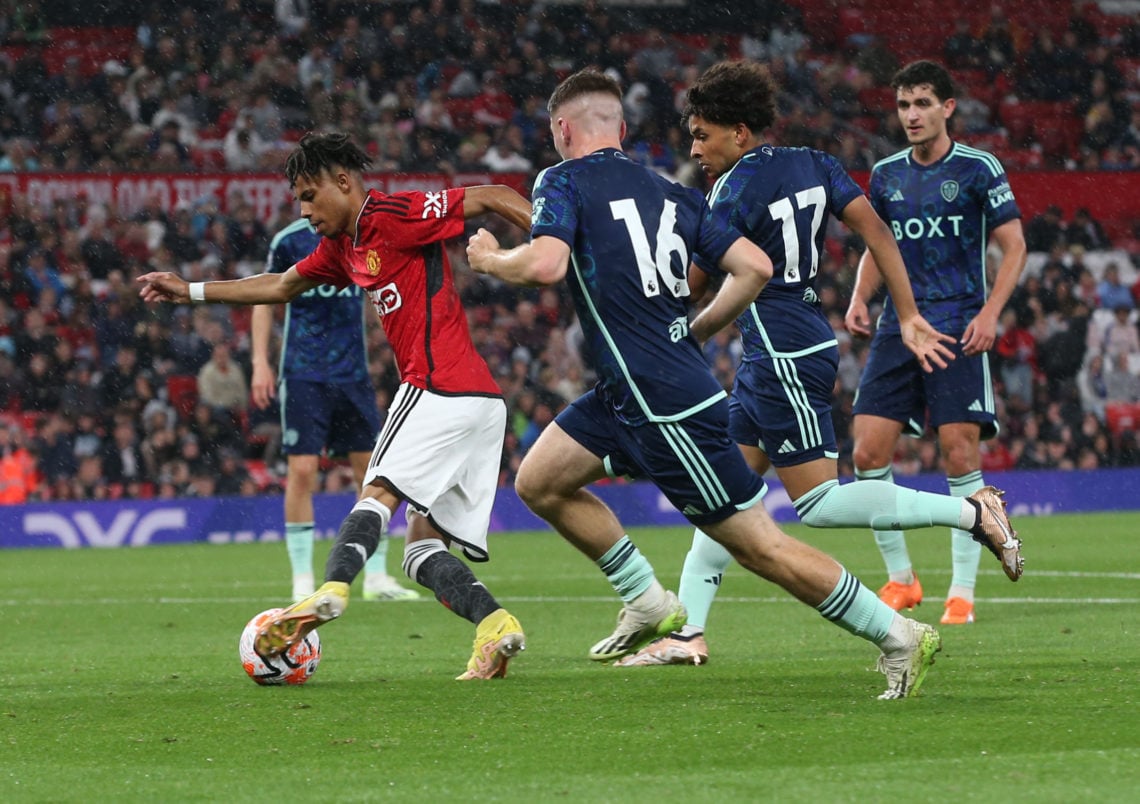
x=103 y=397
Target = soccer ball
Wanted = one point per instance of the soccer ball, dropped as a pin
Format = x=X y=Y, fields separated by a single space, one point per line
x=294 y=666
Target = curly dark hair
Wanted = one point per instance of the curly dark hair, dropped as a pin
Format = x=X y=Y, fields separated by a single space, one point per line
x=732 y=92
x=583 y=82
x=319 y=152
x=922 y=72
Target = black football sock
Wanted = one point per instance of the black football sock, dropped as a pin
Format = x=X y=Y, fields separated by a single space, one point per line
x=456 y=587
x=356 y=540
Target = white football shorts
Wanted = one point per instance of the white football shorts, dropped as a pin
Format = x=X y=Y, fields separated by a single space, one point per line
x=442 y=455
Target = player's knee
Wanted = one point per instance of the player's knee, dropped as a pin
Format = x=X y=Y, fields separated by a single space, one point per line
x=959 y=459
x=530 y=487
x=813 y=509
x=868 y=457
x=303 y=474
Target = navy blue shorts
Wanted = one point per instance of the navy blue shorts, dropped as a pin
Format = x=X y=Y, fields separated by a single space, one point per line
x=783 y=406
x=316 y=416
x=895 y=387
x=693 y=462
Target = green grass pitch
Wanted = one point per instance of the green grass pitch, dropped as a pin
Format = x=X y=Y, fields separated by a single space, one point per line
x=120 y=681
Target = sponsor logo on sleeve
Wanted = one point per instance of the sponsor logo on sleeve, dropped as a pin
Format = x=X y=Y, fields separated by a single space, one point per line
x=435 y=205
x=1001 y=194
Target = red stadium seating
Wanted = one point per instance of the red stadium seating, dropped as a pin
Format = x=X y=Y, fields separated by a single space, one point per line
x=462 y=111
x=1017 y=118
x=182 y=393
x=1022 y=118
x=876 y=100
x=1122 y=416
x=1059 y=137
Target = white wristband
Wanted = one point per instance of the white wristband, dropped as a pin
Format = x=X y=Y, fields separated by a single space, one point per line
x=197 y=292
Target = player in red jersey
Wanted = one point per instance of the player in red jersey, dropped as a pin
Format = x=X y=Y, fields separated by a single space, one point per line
x=440 y=445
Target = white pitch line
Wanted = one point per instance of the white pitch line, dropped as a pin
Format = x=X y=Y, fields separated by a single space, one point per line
x=608 y=600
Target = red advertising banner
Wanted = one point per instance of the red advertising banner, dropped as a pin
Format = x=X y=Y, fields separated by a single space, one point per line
x=127 y=193
x=1110 y=197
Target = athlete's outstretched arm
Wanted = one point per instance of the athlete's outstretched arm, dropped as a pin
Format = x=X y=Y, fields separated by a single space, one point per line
x=263 y=383
x=981 y=333
x=497 y=198
x=927 y=343
x=542 y=261
x=260 y=289
x=749 y=270
x=867 y=281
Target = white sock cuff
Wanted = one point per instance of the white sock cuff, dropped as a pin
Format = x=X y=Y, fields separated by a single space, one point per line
x=885 y=473
x=372 y=505
x=417 y=552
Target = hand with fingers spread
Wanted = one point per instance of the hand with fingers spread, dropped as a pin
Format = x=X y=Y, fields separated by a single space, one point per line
x=927 y=343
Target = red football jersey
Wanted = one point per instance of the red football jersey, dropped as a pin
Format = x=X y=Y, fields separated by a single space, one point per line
x=398 y=259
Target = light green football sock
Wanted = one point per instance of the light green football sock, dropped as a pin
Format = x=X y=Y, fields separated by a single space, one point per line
x=892 y=543
x=701 y=576
x=299 y=543
x=377 y=564
x=965 y=553
x=882 y=505
x=855 y=608
x=627 y=569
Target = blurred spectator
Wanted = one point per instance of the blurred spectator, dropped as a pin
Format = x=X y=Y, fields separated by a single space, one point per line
x=1042 y=76
x=34 y=338
x=1121 y=383
x=188 y=348
x=117 y=384
x=998 y=43
x=17 y=467
x=232 y=477
x=292 y=17
x=505 y=155
x=40 y=389
x=1086 y=289
x=492 y=106
x=158 y=448
x=315 y=67
x=243 y=148
x=114 y=326
x=1086 y=231
x=1110 y=292
x=1120 y=337
x=1061 y=354
x=972 y=115
x=167 y=149
x=79 y=393
x=1106 y=114
x=221 y=383
x=54 y=448
x=248 y=235
x=89 y=432
x=19 y=157
x=267 y=118
x=962 y=49
x=179 y=239
x=1045 y=230
x=122 y=459
x=98 y=249
x=27 y=24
